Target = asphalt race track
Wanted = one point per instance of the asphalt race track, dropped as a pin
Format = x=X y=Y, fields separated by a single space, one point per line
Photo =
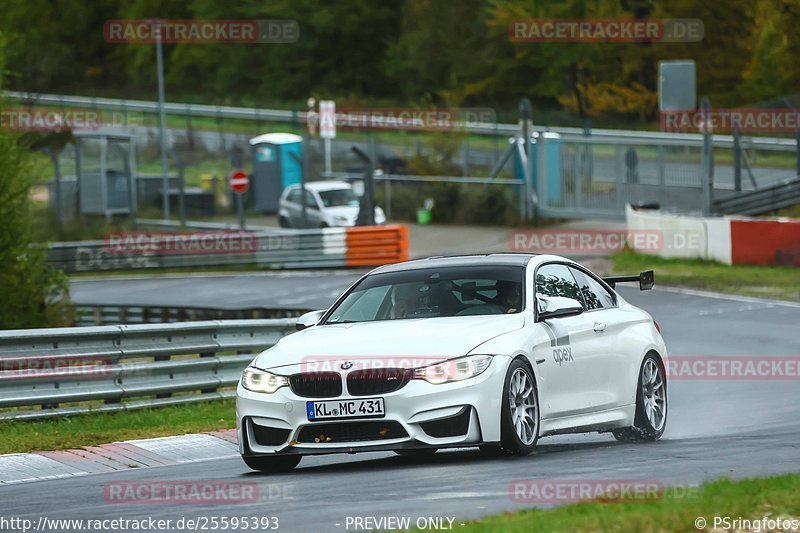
x=309 y=289
x=715 y=428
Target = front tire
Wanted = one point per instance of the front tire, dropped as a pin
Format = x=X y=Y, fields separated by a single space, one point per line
x=651 y=404
x=272 y=464
x=519 y=417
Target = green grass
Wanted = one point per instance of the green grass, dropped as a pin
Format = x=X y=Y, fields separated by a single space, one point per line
x=780 y=282
x=792 y=212
x=748 y=498
x=101 y=428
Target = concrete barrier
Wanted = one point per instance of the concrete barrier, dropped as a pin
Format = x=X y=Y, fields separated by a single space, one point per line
x=728 y=240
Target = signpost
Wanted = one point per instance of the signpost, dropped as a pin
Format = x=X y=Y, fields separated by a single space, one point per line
x=239 y=185
x=327 y=128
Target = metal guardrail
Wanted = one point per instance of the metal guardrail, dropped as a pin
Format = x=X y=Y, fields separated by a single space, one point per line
x=66 y=371
x=277 y=115
x=761 y=200
x=215 y=246
x=101 y=315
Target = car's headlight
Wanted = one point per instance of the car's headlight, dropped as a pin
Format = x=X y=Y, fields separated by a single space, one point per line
x=257 y=380
x=454 y=369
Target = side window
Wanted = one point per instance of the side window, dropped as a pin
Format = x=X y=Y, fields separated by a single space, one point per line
x=594 y=294
x=556 y=280
x=294 y=196
x=310 y=201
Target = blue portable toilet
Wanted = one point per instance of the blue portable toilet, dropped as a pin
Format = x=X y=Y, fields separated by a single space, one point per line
x=551 y=180
x=274 y=168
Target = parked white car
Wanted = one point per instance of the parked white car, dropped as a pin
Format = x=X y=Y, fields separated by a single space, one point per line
x=492 y=351
x=328 y=204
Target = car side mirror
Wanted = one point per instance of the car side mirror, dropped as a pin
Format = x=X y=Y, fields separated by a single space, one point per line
x=557 y=306
x=309 y=319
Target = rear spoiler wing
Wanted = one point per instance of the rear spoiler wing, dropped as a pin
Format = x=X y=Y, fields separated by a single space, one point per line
x=646 y=280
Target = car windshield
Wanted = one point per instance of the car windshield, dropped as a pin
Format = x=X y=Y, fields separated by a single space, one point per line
x=433 y=292
x=338 y=197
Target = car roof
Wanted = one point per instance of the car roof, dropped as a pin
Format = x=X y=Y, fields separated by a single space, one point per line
x=497 y=259
x=326 y=185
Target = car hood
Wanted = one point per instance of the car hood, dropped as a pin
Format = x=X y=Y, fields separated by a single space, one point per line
x=350 y=211
x=424 y=339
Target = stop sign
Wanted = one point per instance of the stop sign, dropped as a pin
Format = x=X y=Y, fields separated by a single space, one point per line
x=239 y=182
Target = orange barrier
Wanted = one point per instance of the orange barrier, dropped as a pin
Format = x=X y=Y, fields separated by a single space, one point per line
x=376 y=245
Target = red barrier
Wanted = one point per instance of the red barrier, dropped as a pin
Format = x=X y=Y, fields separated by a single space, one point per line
x=765 y=242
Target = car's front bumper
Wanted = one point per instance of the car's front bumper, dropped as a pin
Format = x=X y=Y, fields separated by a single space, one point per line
x=419 y=415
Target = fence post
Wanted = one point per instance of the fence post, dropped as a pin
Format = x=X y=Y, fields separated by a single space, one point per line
x=189 y=132
x=737 y=160
x=213 y=389
x=525 y=123
x=708 y=157
x=387 y=197
x=621 y=183
x=580 y=183
x=797 y=149
x=465 y=155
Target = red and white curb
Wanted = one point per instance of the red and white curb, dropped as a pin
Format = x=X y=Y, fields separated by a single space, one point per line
x=143 y=453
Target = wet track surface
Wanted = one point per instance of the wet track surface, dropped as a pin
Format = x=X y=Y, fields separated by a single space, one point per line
x=715 y=428
x=312 y=289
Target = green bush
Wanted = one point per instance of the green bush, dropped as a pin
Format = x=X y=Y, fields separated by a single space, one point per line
x=454 y=203
x=32 y=295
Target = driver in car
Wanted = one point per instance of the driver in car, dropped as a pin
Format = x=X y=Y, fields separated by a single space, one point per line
x=405 y=302
x=509 y=296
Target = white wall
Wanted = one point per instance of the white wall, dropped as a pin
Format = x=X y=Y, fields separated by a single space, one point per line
x=683 y=236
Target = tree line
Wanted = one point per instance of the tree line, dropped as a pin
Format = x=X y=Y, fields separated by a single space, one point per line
x=409 y=52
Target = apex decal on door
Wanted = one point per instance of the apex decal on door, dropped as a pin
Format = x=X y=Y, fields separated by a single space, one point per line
x=562 y=355
x=559 y=341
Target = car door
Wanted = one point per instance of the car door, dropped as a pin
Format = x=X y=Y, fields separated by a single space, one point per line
x=609 y=324
x=292 y=204
x=569 y=362
x=313 y=213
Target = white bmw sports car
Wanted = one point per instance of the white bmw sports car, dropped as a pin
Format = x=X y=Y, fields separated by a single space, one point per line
x=492 y=351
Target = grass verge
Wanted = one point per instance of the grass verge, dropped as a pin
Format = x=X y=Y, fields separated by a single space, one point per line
x=748 y=498
x=102 y=428
x=779 y=282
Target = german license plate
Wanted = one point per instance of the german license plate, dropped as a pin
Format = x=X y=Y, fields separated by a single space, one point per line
x=361 y=408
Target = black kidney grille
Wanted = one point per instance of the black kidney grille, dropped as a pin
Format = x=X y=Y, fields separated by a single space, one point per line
x=316 y=384
x=377 y=380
